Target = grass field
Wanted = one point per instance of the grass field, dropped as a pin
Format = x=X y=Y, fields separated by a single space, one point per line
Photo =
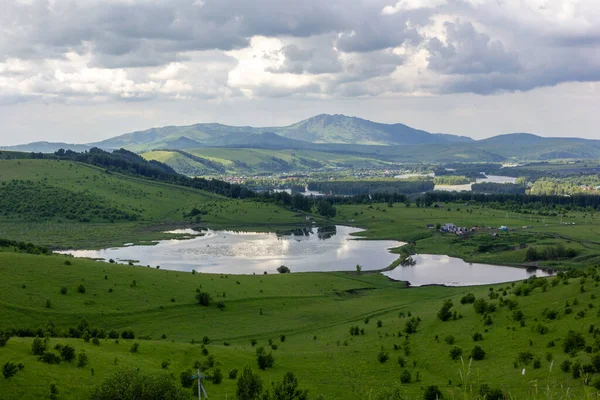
x=158 y=205
x=314 y=311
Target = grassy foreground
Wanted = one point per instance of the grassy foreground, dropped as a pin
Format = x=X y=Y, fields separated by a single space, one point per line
x=314 y=311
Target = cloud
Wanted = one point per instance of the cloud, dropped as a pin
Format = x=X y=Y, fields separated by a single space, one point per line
x=111 y=50
x=469 y=52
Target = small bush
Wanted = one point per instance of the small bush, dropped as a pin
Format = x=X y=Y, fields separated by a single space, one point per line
x=135 y=348
x=67 y=353
x=217 y=376
x=203 y=298
x=477 y=336
x=283 y=270
x=38 y=347
x=50 y=358
x=405 y=377
x=477 y=353
x=81 y=288
x=450 y=339
x=468 y=299
x=433 y=393
x=82 y=359
x=382 y=356
x=9 y=370
x=455 y=352
x=573 y=342
x=63 y=290
x=263 y=359
x=165 y=364
x=186 y=378
x=233 y=373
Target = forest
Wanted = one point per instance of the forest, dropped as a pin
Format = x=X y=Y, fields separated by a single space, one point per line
x=350 y=188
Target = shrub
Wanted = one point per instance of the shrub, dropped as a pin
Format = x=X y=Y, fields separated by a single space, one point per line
x=253 y=342
x=481 y=306
x=203 y=298
x=38 y=347
x=9 y=370
x=288 y=389
x=283 y=269
x=405 y=377
x=525 y=357
x=401 y=361
x=477 y=336
x=487 y=393
x=135 y=348
x=96 y=341
x=382 y=356
x=455 y=352
x=186 y=378
x=217 y=376
x=263 y=359
x=165 y=364
x=81 y=288
x=477 y=353
x=63 y=290
x=4 y=337
x=282 y=338
x=450 y=339
x=249 y=385
x=67 y=353
x=113 y=334
x=233 y=373
x=82 y=359
x=127 y=334
x=444 y=314
x=468 y=299
x=573 y=342
x=138 y=385
x=205 y=340
x=565 y=366
x=432 y=393
x=50 y=358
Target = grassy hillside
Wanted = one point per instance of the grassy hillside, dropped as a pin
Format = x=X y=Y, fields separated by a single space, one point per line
x=240 y=161
x=68 y=189
x=314 y=311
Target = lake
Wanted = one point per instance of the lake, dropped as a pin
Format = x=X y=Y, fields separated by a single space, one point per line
x=250 y=252
x=433 y=269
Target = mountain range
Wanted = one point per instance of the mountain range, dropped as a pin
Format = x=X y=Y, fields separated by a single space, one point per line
x=334 y=134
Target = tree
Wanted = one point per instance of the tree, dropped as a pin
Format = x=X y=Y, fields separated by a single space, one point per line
x=433 y=393
x=325 y=209
x=283 y=269
x=455 y=353
x=9 y=370
x=4 y=337
x=67 y=353
x=286 y=390
x=263 y=359
x=82 y=359
x=130 y=384
x=480 y=306
x=468 y=299
x=249 y=385
x=477 y=353
x=532 y=254
x=358 y=268
x=81 y=288
x=217 y=376
x=63 y=290
x=573 y=342
x=38 y=347
x=445 y=314
x=187 y=378
x=405 y=376
x=203 y=298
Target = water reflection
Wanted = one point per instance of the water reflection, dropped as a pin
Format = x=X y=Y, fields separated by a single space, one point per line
x=328 y=249
x=433 y=269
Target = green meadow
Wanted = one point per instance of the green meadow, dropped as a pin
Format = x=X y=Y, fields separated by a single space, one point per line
x=315 y=312
x=343 y=335
x=158 y=207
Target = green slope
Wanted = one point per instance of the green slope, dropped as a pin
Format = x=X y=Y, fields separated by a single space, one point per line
x=315 y=312
x=38 y=218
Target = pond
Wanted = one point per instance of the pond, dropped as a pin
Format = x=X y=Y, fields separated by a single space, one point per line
x=312 y=249
x=433 y=269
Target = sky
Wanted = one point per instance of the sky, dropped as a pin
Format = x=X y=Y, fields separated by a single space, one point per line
x=80 y=71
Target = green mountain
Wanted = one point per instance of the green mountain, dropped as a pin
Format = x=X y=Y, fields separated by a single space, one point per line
x=46 y=147
x=338 y=129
